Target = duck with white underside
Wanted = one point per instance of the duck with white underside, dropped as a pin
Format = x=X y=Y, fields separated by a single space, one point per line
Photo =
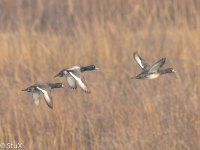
x=151 y=71
x=45 y=89
x=74 y=76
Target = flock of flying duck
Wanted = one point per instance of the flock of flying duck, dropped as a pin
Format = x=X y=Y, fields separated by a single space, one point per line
x=74 y=76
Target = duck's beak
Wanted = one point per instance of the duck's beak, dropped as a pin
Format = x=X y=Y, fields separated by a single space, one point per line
x=24 y=90
x=96 y=68
x=174 y=71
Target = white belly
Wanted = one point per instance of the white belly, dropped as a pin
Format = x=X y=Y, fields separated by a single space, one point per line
x=153 y=76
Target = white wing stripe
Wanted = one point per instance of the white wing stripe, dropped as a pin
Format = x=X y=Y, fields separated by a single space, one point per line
x=46 y=96
x=137 y=58
x=75 y=77
x=80 y=82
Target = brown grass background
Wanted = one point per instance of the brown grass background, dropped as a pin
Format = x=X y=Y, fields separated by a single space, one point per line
x=38 y=38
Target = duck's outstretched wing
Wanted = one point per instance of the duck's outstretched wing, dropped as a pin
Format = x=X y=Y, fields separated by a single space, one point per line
x=156 y=66
x=71 y=81
x=36 y=98
x=141 y=62
x=80 y=82
x=47 y=97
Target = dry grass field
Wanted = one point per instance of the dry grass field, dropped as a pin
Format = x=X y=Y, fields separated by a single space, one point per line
x=38 y=38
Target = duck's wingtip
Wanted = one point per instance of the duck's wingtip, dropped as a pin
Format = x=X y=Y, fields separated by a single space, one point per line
x=50 y=106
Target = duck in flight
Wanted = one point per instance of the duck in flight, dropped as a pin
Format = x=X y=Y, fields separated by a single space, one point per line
x=74 y=76
x=45 y=89
x=151 y=71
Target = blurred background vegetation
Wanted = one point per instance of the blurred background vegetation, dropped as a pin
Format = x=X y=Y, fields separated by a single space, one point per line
x=38 y=38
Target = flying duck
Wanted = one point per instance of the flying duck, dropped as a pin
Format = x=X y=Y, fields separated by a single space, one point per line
x=45 y=89
x=74 y=76
x=151 y=71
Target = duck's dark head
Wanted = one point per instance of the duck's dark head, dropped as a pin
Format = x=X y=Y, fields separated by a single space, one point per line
x=88 y=68
x=57 y=85
x=60 y=74
x=168 y=70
